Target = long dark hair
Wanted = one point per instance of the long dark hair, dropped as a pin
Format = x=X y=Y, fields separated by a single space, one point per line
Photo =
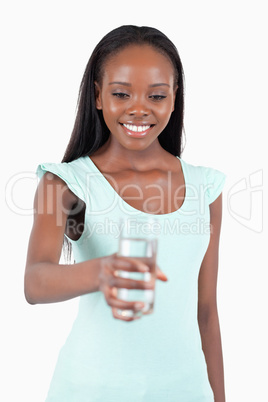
x=90 y=131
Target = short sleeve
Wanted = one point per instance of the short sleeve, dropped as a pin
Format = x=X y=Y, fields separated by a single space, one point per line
x=214 y=183
x=65 y=172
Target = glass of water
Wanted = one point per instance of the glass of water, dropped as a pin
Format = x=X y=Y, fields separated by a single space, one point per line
x=138 y=239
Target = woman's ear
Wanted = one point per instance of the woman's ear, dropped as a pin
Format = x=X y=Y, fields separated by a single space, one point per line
x=98 y=96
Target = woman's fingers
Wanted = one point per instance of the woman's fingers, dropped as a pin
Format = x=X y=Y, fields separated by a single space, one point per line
x=123 y=315
x=122 y=310
x=135 y=306
x=112 y=300
x=129 y=264
x=121 y=280
x=125 y=310
x=127 y=273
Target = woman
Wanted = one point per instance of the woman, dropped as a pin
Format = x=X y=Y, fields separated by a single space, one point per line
x=124 y=159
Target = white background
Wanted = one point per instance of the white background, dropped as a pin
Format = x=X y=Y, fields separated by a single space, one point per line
x=223 y=46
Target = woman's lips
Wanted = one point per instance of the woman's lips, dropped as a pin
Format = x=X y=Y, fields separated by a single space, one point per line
x=137 y=131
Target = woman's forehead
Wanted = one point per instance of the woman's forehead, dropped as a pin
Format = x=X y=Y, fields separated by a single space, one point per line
x=138 y=59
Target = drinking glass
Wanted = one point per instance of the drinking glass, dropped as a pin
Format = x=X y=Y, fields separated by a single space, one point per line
x=138 y=239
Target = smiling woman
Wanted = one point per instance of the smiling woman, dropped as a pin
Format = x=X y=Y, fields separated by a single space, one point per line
x=124 y=161
x=90 y=130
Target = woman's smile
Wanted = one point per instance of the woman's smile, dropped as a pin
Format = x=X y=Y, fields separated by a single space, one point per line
x=137 y=131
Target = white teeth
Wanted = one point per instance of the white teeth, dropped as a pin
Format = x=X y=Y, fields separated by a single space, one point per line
x=139 y=129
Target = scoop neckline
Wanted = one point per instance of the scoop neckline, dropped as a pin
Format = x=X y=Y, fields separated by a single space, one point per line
x=112 y=190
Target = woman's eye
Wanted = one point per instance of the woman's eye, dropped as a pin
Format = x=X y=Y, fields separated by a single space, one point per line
x=120 y=95
x=157 y=97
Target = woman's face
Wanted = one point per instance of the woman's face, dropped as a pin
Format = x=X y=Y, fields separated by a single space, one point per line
x=137 y=95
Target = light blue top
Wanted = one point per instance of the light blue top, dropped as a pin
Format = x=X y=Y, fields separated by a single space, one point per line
x=159 y=357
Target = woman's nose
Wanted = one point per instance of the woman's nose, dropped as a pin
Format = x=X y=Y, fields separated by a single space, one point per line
x=138 y=108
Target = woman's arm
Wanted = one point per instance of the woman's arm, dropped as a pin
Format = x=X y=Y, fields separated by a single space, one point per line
x=45 y=279
x=207 y=306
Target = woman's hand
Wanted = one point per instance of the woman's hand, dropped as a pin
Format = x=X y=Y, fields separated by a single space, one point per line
x=110 y=281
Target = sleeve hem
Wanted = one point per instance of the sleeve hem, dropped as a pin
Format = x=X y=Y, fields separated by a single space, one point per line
x=43 y=168
x=218 y=191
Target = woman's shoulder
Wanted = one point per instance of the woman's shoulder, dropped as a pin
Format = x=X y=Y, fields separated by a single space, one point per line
x=70 y=172
x=62 y=168
x=211 y=179
x=207 y=172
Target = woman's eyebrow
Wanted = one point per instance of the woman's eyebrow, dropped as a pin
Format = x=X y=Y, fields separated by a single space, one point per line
x=127 y=84
x=159 y=85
